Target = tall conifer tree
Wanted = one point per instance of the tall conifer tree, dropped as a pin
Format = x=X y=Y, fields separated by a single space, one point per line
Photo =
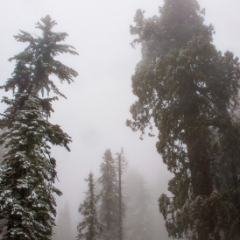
x=108 y=214
x=27 y=172
x=191 y=91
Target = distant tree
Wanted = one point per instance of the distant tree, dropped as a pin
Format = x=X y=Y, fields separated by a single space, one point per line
x=121 y=165
x=139 y=217
x=88 y=228
x=64 y=228
x=27 y=173
x=191 y=91
x=108 y=212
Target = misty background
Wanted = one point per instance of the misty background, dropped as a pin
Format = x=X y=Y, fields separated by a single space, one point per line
x=98 y=102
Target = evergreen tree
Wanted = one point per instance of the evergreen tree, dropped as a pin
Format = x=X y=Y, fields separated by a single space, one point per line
x=108 y=212
x=121 y=164
x=64 y=228
x=139 y=217
x=27 y=173
x=37 y=64
x=88 y=228
x=191 y=91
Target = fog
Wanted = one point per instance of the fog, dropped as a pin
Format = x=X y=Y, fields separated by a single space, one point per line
x=98 y=102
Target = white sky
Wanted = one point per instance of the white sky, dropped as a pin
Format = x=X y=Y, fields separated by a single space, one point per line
x=98 y=102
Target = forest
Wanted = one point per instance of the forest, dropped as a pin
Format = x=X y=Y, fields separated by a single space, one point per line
x=184 y=107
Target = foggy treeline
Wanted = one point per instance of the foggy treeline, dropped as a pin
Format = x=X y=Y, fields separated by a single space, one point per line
x=186 y=93
x=140 y=217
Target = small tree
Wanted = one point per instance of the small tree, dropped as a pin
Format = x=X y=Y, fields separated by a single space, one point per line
x=108 y=214
x=88 y=228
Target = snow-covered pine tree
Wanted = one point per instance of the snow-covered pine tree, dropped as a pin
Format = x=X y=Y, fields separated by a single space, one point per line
x=108 y=214
x=27 y=172
x=88 y=228
x=37 y=63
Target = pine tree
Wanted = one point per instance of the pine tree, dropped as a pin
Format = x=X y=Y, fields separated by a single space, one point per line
x=121 y=165
x=88 y=228
x=27 y=173
x=64 y=228
x=191 y=91
x=108 y=213
x=139 y=217
x=37 y=64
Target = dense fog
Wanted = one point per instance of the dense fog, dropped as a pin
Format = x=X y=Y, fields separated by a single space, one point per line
x=98 y=102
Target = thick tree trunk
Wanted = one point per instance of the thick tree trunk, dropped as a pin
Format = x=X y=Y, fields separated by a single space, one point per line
x=201 y=179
